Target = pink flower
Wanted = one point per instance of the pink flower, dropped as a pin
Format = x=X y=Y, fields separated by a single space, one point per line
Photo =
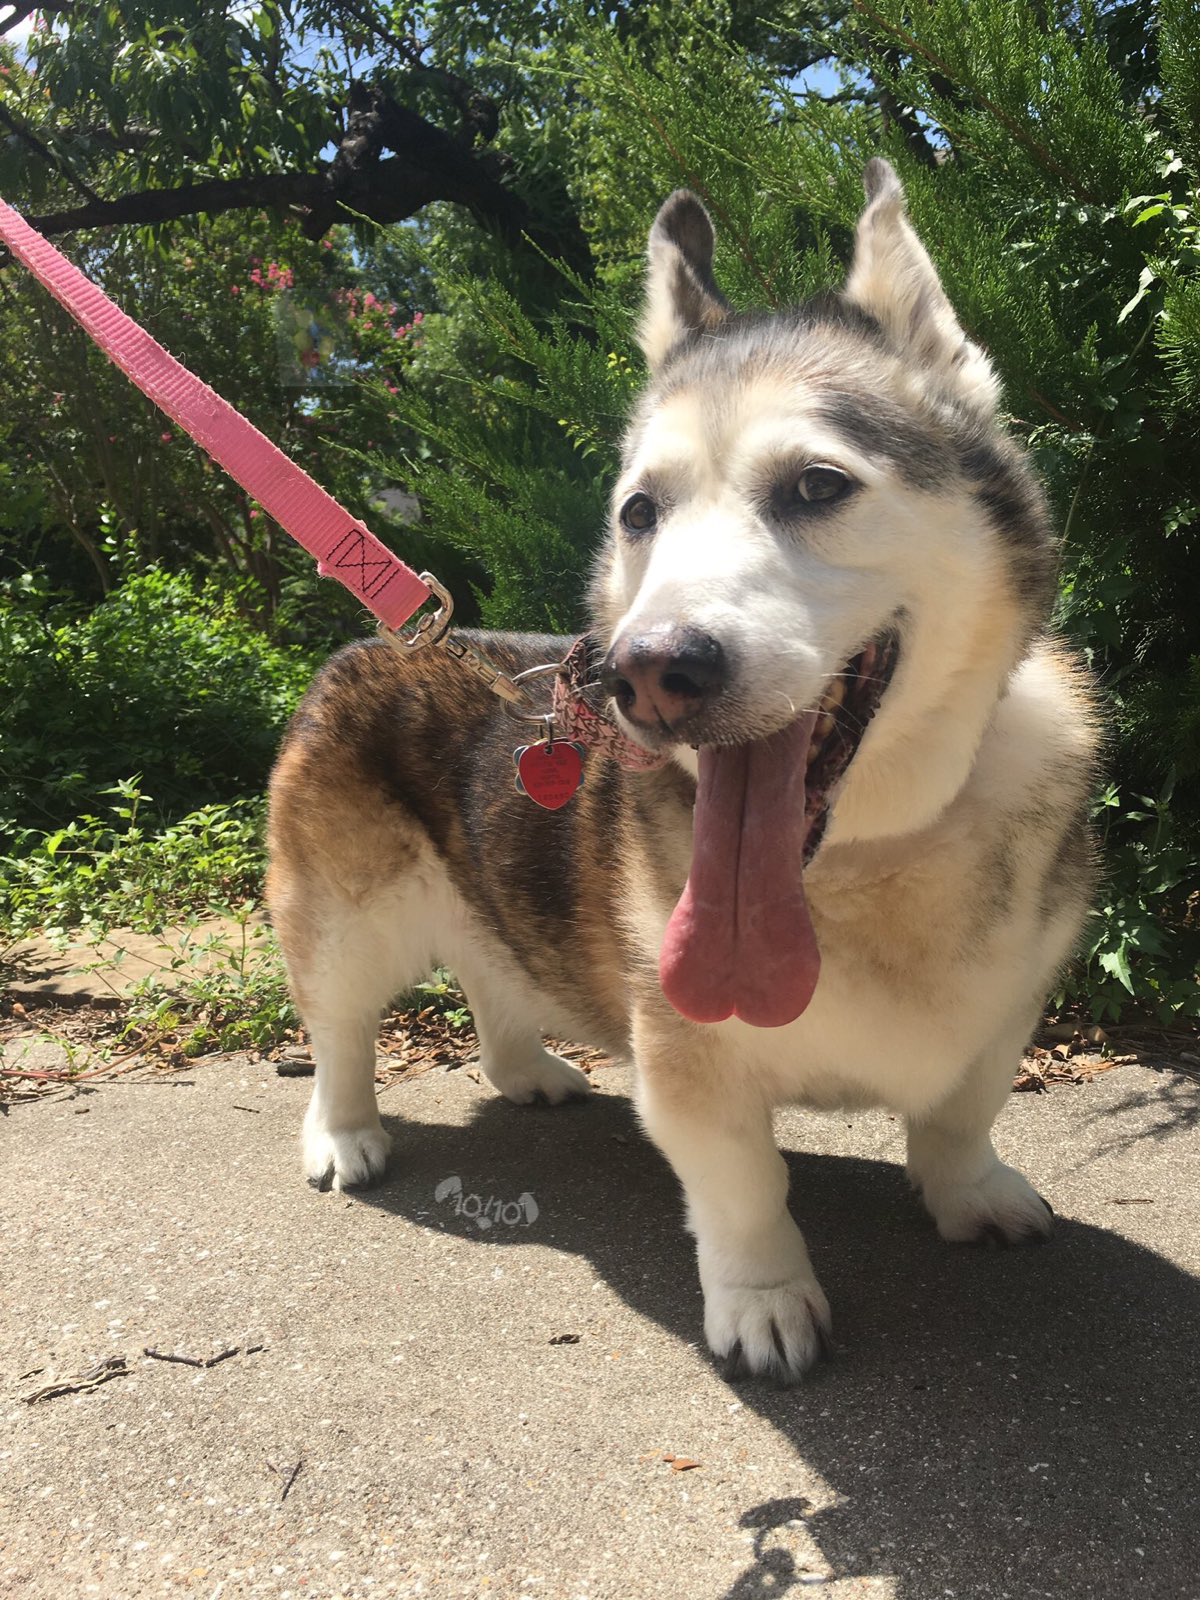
x=369 y=301
x=254 y=513
x=309 y=358
x=391 y=388
x=235 y=288
x=166 y=436
x=420 y=317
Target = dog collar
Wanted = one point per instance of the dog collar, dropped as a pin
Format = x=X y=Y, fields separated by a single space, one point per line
x=579 y=720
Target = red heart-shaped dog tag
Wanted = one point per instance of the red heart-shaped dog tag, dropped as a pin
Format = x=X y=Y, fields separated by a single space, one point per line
x=550 y=774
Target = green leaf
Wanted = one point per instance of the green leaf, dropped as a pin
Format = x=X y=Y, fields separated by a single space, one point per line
x=1115 y=962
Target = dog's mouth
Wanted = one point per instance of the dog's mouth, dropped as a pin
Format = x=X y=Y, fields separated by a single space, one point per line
x=847 y=707
x=741 y=941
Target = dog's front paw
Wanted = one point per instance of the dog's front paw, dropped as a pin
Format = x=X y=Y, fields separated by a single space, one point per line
x=540 y=1077
x=778 y=1332
x=343 y=1158
x=999 y=1208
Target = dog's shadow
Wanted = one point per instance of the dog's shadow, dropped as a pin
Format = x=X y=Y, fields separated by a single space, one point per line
x=1016 y=1422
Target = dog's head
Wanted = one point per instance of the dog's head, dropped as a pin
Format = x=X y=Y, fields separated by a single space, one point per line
x=817 y=513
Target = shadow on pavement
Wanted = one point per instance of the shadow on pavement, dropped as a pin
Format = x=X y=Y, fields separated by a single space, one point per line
x=1016 y=1422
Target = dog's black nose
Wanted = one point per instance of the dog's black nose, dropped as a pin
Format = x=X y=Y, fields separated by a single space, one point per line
x=665 y=675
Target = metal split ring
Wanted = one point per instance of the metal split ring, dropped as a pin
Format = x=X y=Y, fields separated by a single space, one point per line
x=546 y=718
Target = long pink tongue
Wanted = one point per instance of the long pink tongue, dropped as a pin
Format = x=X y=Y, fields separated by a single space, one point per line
x=741 y=942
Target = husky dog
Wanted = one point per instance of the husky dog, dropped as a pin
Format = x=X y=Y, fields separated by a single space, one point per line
x=822 y=600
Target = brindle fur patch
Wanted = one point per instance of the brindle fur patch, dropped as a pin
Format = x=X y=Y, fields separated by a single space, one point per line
x=390 y=753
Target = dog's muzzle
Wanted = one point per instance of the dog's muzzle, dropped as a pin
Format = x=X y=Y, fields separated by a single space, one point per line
x=665 y=678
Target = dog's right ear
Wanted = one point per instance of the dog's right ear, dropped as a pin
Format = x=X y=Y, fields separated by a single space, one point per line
x=682 y=296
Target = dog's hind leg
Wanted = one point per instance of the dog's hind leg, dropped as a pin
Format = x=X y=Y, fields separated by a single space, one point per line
x=965 y=1186
x=348 y=955
x=512 y=1055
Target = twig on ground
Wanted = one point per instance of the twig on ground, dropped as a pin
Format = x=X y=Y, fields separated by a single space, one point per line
x=286 y=1478
x=202 y=1361
x=165 y=1355
x=104 y=1369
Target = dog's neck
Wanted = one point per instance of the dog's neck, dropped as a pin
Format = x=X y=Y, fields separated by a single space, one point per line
x=923 y=744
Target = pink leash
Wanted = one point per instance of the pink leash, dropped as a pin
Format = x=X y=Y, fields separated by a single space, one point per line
x=345 y=549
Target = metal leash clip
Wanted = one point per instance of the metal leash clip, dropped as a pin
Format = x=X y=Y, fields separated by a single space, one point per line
x=434 y=629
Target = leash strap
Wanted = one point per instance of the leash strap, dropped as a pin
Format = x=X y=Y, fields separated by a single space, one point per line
x=344 y=547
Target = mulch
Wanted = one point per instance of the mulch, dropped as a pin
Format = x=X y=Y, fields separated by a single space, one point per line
x=98 y=1048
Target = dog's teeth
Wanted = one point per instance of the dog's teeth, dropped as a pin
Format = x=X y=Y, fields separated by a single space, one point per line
x=813 y=752
x=834 y=695
x=824 y=723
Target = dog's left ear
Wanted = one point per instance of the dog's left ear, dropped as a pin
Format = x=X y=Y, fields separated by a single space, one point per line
x=893 y=279
x=682 y=296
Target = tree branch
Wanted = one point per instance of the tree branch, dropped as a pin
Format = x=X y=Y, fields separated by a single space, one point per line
x=60 y=165
x=903 y=117
x=190 y=199
x=20 y=14
x=428 y=165
x=479 y=113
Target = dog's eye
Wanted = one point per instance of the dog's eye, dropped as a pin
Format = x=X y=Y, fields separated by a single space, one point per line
x=639 y=514
x=820 y=483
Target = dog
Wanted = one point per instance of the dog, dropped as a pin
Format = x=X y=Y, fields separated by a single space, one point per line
x=863 y=855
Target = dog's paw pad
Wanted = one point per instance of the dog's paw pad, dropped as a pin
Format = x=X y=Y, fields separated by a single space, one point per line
x=545 y=1078
x=346 y=1159
x=777 y=1333
x=1000 y=1209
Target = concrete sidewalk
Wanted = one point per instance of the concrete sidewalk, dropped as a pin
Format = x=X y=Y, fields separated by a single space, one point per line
x=488 y=1411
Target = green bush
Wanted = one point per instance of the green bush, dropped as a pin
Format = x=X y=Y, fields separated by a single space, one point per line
x=163 y=679
x=103 y=872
